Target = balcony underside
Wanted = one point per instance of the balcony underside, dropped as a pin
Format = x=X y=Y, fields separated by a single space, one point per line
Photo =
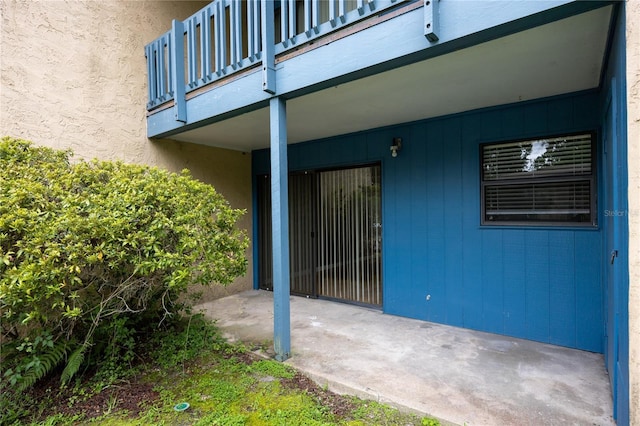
x=561 y=56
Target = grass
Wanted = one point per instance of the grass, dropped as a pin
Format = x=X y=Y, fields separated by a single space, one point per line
x=223 y=384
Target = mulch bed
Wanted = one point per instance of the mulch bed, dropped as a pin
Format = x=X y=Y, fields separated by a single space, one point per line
x=339 y=405
x=130 y=396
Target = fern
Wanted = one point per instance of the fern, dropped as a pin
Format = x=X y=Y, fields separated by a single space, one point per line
x=8 y=351
x=73 y=364
x=46 y=362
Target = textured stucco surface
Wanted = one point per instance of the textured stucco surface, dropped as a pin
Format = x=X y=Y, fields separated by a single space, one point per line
x=73 y=75
x=633 y=120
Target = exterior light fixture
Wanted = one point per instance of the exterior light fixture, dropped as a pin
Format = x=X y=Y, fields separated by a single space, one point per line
x=396 y=145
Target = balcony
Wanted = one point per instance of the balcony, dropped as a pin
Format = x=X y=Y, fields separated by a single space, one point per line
x=352 y=65
x=226 y=38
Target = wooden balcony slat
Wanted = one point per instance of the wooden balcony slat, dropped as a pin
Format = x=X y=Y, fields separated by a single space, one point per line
x=205 y=48
x=220 y=43
x=226 y=37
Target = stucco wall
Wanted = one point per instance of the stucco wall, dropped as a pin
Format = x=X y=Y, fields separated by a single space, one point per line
x=73 y=75
x=633 y=120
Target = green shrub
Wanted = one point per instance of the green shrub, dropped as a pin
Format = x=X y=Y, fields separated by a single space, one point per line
x=85 y=243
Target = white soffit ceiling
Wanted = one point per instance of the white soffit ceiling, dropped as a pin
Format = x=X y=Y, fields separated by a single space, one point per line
x=561 y=57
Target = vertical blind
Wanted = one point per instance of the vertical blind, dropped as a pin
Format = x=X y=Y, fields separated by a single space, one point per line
x=350 y=237
x=335 y=234
x=301 y=233
x=265 y=251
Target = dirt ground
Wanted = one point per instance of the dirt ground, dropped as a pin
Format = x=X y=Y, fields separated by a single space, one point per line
x=135 y=397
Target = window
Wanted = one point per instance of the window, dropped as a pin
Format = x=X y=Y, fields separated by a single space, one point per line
x=547 y=181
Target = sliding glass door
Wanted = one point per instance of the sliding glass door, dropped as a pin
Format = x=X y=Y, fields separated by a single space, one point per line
x=335 y=230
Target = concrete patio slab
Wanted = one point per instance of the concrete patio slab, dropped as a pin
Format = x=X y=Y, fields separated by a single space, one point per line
x=456 y=375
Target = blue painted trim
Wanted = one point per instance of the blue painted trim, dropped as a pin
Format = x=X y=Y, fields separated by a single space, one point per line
x=177 y=72
x=268 y=49
x=369 y=52
x=292 y=21
x=192 y=54
x=284 y=21
x=606 y=62
x=220 y=43
x=316 y=30
x=615 y=187
x=431 y=20
x=542 y=228
x=239 y=98
x=254 y=33
x=616 y=229
x=159 y=75
x=372 y=51
x=280 y=229
x=623 y=401
x=235 y=8
x=205 y=54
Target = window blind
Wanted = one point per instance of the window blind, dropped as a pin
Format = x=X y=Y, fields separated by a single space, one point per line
x=563 y=156
x=546 y=180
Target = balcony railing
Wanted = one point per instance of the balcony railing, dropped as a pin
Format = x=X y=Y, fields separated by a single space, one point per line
x=227 y=36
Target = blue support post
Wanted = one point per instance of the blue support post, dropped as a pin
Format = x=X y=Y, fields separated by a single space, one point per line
x=431 y=20
x=280 y=228
x=268 y=48
x=177 y=71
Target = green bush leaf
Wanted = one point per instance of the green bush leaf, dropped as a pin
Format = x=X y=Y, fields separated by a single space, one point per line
x=85 y=242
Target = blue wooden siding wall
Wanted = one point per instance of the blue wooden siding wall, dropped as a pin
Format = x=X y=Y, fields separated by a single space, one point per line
x=615 y=187
x=439 y=264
